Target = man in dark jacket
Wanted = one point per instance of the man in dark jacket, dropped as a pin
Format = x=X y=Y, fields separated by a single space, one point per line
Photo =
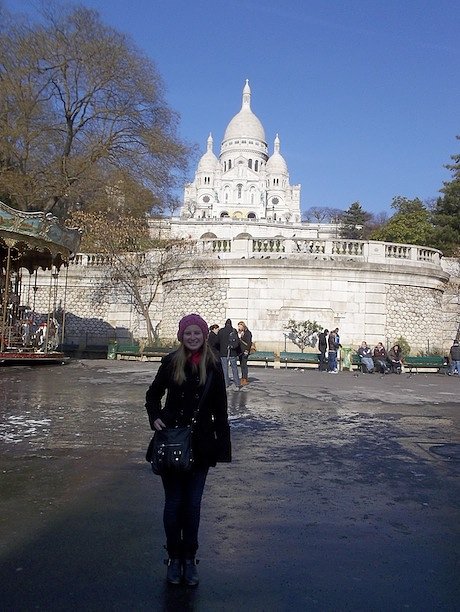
x=229 y=349
x=454 y=358
x=322 y=347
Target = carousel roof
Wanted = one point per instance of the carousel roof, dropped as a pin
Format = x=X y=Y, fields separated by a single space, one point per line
x=35 y=239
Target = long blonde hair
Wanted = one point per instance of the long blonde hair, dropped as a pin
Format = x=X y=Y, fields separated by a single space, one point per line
x=182 y=355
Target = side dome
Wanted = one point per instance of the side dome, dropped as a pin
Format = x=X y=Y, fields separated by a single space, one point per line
x=245 y=124
x=276 y=163
x=208 y=162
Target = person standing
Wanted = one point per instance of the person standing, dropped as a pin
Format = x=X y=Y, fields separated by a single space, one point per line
x=213 y=340
x=245 y=337
x=322 y=347
x=454 y=358
x=229 y=349
x=332 y=348
x=183 y=375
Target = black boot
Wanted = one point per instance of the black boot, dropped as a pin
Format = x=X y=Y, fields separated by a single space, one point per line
x=190 y=572
x=174 y=572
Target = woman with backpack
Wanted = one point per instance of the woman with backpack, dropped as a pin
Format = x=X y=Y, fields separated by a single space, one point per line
x=229 y=349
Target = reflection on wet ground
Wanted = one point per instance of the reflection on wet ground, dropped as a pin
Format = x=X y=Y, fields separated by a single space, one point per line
x=341 y=486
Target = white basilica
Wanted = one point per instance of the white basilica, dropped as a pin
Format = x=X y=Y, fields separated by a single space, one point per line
x=244 y=182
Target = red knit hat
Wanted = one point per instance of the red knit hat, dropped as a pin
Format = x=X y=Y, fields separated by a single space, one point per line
x=192 y=319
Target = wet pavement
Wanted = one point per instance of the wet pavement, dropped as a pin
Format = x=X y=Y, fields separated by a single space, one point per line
x=343 y=494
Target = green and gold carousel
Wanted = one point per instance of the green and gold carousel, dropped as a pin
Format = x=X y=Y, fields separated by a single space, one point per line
x=32 y=241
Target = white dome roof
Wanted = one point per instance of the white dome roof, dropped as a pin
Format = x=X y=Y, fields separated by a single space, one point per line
x=208 y=162
x=276 y=164
x=245 y=124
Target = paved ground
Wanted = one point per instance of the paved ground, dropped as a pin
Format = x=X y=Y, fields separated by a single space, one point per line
x=343 y=494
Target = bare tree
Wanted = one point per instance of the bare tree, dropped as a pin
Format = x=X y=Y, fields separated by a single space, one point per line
x=322 y=214
x=83 y=116
x=303 y=333
x=135 y=263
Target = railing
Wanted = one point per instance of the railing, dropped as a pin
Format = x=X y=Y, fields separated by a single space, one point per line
x=347 y=247
x=310 y=246
x=268 y=245
x=397 y=251
x=297 y=248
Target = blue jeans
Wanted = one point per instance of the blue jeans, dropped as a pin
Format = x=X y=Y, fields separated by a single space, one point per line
x=181 y=515
x=455 y=365
x=244 y=366
x=234 y=366
x=332 y=361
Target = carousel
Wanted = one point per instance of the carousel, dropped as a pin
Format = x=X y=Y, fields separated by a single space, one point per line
x=29 y=242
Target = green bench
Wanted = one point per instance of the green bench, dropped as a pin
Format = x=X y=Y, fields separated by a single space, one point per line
x=133 y=351
x=262 y=356
x=299 y=358
x=427 y=362
x=157 y=351
x=125 y=349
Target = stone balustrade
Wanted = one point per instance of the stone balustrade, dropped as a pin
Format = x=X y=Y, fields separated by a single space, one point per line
x=360 y=250
x=298 y=248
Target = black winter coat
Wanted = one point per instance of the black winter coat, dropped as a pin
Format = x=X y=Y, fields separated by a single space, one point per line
x=211 y=436
x=222 y=339
x=245 y=342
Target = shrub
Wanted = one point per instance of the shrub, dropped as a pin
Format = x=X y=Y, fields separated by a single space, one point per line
x=404 y=345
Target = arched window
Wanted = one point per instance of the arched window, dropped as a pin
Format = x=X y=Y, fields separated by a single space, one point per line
x=240 y=190
x=229 y=164
x=250 y=163
x=256 y=165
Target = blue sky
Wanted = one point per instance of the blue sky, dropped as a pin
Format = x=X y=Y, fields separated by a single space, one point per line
x=364 y=94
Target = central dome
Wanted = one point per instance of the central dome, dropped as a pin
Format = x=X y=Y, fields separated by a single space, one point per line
x=245 y=124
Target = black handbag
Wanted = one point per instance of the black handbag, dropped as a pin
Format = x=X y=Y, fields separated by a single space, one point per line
x=170 y=449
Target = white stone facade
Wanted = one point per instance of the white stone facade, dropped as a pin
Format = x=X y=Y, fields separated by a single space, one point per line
x=245 y=182
x=370 y=290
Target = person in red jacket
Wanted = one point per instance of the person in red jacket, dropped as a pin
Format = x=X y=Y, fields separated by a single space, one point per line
x=182 y=375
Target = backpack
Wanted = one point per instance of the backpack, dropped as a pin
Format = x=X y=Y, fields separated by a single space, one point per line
x=233 y=340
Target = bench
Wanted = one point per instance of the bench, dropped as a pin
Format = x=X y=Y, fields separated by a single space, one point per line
x=125 y=350
x=133 y=351
x=156 y=353
x=262 y=356
x=427 y=362
x=299 y=358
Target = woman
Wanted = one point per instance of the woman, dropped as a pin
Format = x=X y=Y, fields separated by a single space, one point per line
x=213 y=340
x=245 y=337
x=395 y=359
x=182 y=375
x=366 y=358
x=380 y=358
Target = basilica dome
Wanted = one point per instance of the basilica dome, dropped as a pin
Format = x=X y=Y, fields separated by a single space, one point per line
x=245 y=124
x=208 y=162
x=276 y=164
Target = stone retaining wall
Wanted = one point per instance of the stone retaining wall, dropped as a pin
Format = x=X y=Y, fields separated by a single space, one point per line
x=375 y=301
